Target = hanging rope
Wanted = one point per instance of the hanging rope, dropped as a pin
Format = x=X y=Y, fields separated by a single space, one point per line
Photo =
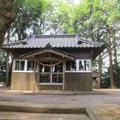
x=49 y=65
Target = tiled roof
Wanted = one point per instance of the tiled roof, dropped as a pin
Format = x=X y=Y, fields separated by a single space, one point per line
x=54 y=41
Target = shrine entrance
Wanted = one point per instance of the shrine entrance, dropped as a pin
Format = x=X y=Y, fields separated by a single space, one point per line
x=51 y=73
x=51 y=67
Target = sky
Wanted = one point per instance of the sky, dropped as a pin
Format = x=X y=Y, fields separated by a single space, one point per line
x=76 y=1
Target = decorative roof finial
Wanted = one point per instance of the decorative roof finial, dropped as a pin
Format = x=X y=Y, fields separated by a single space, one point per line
x=48 y=45
x=77 y=37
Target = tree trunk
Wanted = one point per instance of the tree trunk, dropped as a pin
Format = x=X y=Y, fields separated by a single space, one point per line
x=7 y=61
x=100 y=69
x=110 y=62
x=115 y=55
x=7 y=15
x=7 y=70
x=115 y=49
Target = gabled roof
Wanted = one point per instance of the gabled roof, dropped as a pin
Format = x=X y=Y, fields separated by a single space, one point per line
x=48 y=50
x=54 y=41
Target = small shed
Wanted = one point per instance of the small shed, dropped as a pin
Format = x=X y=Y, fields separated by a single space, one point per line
x=53 y=62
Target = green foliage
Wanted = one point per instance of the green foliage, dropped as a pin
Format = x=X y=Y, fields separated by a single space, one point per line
x=117 y=75
x=30 y=17
x=115 y=16
x=90 y=15
x=59 y=20
x=105 y=83
x=86 y=18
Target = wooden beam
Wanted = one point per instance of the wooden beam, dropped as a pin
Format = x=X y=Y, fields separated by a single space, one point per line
x=63 y=55
x=34 y=78
x=64 y=68
x=44 y=59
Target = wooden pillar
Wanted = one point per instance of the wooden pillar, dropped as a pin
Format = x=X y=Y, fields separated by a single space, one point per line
x=38 y=74
x=64 y=68
x=34 y=77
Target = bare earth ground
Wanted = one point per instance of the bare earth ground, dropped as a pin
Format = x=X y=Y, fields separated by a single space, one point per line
x=104 y=103
x=36 y=116
x=108 y=112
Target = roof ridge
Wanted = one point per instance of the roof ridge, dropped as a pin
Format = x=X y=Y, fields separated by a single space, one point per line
x=16 y=42
x=54 y=36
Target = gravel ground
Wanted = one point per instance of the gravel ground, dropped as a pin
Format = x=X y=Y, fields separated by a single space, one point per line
x=105 y=103
x=101 y=97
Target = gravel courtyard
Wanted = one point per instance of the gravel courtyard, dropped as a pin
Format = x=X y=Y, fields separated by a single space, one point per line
x=105 y=103
x=99 y=97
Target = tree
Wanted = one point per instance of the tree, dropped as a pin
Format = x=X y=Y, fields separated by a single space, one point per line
x=113 y=15
x=88 y=19
x=7 y=16
x=59 y=20
x=12 y=8
x=92 y=19
x=30 y=19
x=21 y=14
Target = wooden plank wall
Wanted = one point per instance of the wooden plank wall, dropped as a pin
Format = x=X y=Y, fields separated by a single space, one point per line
x=78 y=81
x=73 y=82
x=23 y=81
x=50 y=87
